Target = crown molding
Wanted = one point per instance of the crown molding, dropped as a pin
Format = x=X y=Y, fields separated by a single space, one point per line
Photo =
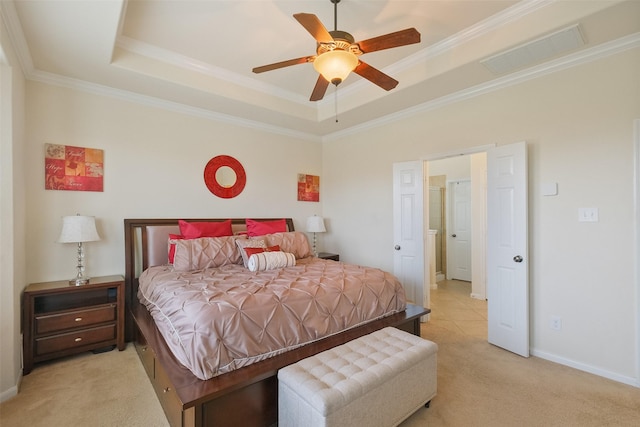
x=150 y=101
x=584 y=56
x=190 y=64
x=16 y=36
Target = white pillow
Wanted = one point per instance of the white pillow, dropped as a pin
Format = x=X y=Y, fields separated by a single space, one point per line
x=270 y=260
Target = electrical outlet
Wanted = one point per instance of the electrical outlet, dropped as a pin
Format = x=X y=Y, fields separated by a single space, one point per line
x=556 y=323
x=588 y=214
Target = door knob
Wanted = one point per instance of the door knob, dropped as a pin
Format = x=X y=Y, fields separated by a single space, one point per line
x=517 y=258
x=396 y=247
x=453 y=235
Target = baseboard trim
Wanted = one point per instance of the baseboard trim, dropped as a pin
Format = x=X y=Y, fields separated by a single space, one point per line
x=635 y=382
x=8 y=394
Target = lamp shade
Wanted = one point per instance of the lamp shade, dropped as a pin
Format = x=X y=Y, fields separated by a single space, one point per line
x=315 y=224
x=335 y=65
x=78 y=229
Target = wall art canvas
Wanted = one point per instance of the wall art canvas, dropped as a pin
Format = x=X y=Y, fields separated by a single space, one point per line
x=73 y=168
x=308 y=188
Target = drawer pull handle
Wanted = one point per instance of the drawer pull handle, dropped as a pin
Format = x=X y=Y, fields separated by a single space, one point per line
x=78 y=339
x=144 y=349
x=78 y=319
x=166 y=390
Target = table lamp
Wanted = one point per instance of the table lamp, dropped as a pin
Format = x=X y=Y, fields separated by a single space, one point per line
x=315 y=224
x=79 y=229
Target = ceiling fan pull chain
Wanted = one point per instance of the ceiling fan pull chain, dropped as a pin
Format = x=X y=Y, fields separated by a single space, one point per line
x=336 y=102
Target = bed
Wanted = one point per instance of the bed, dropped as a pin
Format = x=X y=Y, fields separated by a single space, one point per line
x=238 y=386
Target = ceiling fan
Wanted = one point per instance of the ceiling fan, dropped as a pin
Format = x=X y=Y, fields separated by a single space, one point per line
x=337 y=54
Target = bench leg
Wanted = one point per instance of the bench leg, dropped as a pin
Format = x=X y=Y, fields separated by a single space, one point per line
x=426 y=405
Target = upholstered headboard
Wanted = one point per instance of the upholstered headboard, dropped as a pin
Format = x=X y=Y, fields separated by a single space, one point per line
x=157 y=238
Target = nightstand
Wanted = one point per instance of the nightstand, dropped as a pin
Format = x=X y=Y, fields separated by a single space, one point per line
x=327 y=255
x=60 y=319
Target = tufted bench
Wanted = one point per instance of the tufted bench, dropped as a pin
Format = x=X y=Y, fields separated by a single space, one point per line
x=379 y=379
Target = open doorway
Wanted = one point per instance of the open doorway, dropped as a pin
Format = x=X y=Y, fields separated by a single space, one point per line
x=500 y=237
x=456 y=216
x=453 y=184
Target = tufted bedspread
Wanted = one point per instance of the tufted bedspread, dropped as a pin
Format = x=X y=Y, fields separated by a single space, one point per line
x=220 y=319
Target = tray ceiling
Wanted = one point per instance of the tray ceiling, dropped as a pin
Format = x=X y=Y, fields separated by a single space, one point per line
x=196 y=56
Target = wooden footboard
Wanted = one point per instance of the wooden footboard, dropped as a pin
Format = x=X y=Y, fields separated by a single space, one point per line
x=247 y=396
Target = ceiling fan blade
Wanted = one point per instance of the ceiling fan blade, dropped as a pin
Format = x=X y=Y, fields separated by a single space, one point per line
x=283 y=64
x=375 y=76
x=312 y=24
x=319 y=90
x=399 y=38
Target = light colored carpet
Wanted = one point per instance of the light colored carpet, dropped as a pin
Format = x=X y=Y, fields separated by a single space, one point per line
x=482 y=385
x=105 y=389
x=478 y=385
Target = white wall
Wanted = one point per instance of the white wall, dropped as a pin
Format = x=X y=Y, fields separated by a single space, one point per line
x=578 y=126
x=154 y=164
x=455 y=168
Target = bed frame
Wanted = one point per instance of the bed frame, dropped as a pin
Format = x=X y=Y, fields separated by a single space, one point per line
x=247 y=396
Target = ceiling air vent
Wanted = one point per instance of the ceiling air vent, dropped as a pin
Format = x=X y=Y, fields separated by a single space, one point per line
x=536 y=51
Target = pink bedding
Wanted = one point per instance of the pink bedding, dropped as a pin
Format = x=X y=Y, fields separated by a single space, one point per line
x=220 y=319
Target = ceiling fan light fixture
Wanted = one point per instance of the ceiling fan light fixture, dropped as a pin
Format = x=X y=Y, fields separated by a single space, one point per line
x=335 y=65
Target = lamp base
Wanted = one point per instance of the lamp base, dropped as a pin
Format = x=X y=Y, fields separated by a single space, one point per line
x=79 y=281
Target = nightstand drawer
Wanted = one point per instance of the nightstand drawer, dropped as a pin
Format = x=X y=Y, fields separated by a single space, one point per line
x=75 y=339
x=75 y=319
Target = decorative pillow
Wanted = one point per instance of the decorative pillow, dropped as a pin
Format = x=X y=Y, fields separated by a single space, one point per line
x=260 y=228
x=294 y=242
x=249 y=243
x=194 y=230
x=206 y=252
x=251 y=251
x=270 y=260
x=172 y=245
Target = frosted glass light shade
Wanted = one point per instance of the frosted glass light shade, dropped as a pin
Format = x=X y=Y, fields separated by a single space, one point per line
x=77 y=229
x=335 y=65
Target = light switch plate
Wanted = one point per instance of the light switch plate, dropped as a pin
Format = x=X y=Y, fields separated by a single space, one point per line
x=588 y=214
x=549 y=188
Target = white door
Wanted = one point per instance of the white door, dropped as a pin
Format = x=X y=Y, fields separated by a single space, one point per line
x=507 y=255
x=408 y=230
x=460 y=231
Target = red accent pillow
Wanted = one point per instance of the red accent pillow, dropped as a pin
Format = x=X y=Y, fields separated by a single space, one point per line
x=195 y=230
x=172 y=246
x=260 y=228
x=251 y=251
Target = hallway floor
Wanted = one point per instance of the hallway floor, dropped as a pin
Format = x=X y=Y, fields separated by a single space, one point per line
x=453 y=309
